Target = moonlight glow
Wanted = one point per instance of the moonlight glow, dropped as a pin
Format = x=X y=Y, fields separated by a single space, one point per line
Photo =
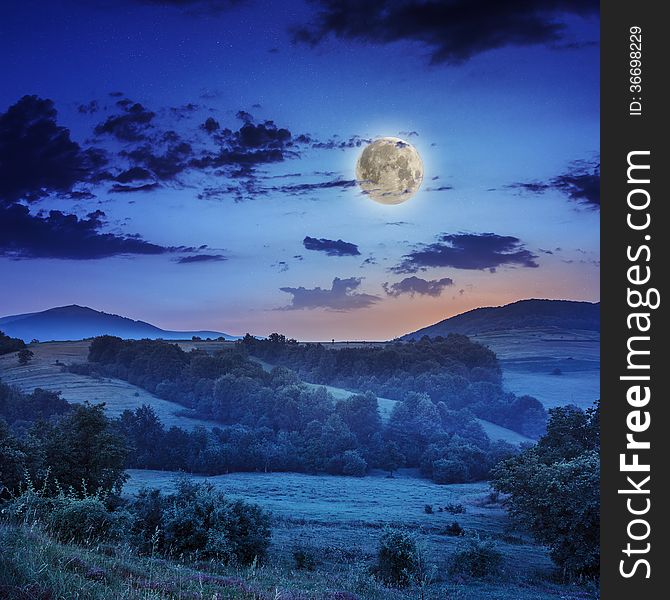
x=389 y=170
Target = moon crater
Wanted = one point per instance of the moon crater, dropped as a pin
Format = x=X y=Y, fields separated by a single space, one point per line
x=389 y=170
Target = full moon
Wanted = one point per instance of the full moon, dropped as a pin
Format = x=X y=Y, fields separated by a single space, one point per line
x=389 y=170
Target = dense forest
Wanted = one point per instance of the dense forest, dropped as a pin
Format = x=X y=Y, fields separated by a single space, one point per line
x=63 y=466
x=271 y=421
x=454 y=370
x=10 y=344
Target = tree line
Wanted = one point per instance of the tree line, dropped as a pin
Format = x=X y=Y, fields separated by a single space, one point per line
x=272 y=421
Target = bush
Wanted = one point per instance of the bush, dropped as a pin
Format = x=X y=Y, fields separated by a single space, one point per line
x=305 y=558
x=199 y=522
x=353 y=464
x=68 y=518
x=397 y=558
x=454 y=529
x=454 y=508
x=449 y=471
x=477 y=559
x=84 y=520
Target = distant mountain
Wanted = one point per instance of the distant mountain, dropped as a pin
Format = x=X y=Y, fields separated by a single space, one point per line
x=562 y=314
x=80 y=322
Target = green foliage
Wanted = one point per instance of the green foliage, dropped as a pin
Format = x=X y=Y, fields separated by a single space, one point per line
x=454 y=529
x=397 y=558
x=305 y=557
x=83 y=452
x=40 y=404
x=353 y=464
x=449 y=471
x=454 y=370
x=455 y=508
x=25 y=356
x=10 y=344
x=13 y=460
x=476 y=558
x=199 y=522
x=554 y=490
x=68 y=517
x=84 y=520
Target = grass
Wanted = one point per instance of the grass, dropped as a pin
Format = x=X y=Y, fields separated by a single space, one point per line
x=528 y=358
x=340 y=519
x=44 y=372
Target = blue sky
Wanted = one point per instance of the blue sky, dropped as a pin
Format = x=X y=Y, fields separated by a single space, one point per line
x=504 y=116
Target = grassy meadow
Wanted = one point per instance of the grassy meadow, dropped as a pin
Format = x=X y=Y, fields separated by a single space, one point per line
x=531 y=360
x=336 y=520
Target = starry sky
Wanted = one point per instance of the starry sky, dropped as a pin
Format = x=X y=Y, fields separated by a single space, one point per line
x=191 y=163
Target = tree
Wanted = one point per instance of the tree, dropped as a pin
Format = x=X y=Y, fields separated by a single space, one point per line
x=391 y=459
x=25 y=356
x=84 y=452
x=10 y=344
x=554 y=490
x=13 y=460
x=397 y=558
x=353 y=464
x=361 y=414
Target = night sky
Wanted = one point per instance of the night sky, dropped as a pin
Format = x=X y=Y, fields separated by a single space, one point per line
x=192 y=163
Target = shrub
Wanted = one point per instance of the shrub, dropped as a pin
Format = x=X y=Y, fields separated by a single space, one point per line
x=84 y=520
x=396 y=558
x=304 y=557
x=477 y=559
x=67 y=517
x=454 y=508
x=454 y=529
x=449 y=471
x=353 y=464
x=199 y=522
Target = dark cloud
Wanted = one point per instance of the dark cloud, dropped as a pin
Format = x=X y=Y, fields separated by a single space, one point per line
x=301 y=188
x=162 y=160
x=475 y=251
x=37 y=156
x=354 y=141
x=89 y=108
x=581 y=183
x=124 y=189
x=453 y=30
x=59 y=235
x=200 y=258
x=132 y=174
x=210 y=125
x=331 y=247
x=340 y=297
x=129 y=126
x=415 y=285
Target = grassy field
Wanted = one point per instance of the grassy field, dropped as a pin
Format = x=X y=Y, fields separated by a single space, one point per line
x=529 y=358
x=44 y=371
x=495 y=432
x=340 y=519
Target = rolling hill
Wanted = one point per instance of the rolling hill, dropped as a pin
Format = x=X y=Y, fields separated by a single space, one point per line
x=524 y=314
x=80 y=322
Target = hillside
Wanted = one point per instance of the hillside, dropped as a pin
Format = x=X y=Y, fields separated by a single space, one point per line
x=80 y=322
x=524 y=314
